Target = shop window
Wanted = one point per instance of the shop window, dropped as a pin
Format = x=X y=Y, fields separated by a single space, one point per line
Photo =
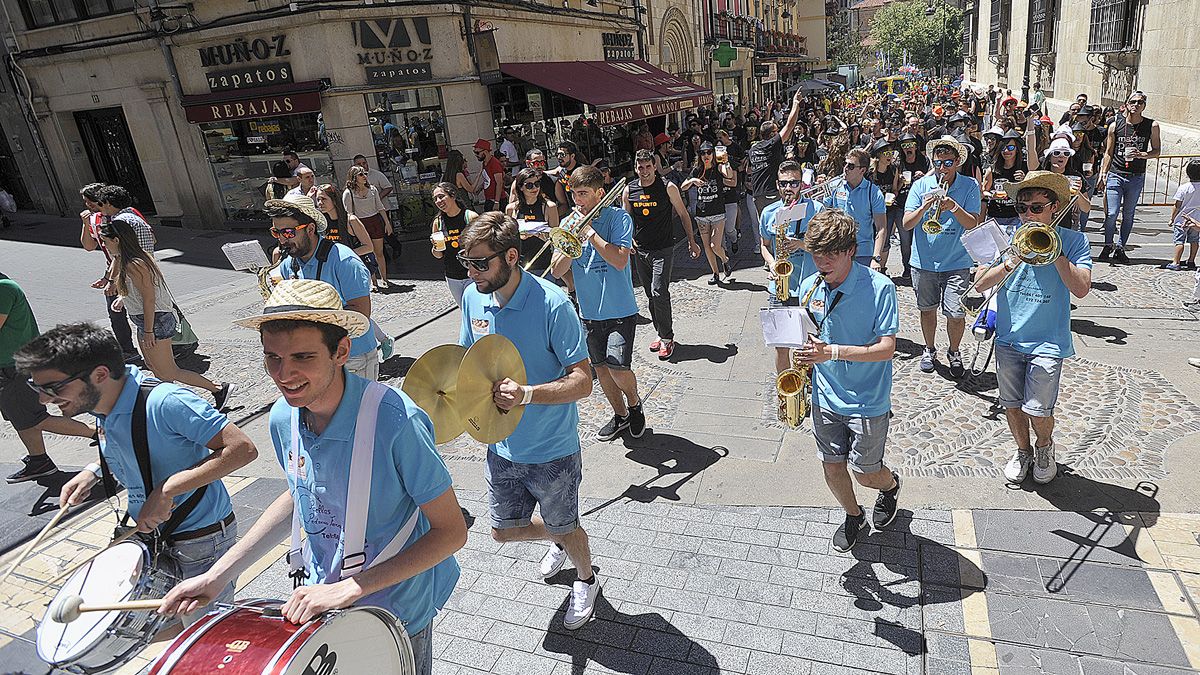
x=408 y=128
x=243 y=153
x=39 y=13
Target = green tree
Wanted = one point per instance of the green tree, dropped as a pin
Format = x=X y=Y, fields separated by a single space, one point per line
x=905 y=25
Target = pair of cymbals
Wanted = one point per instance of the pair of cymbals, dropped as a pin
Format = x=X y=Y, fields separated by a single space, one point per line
x=453 y=386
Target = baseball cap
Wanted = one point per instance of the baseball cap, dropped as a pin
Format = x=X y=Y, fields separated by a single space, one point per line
x=483 y=145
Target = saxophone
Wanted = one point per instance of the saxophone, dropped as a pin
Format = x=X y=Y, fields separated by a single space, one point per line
x=792 y=385
x=783 y=268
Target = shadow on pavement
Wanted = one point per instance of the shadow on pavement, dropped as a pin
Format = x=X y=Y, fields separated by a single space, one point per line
x=1111 y=335
x=710 y=353
x=674 y=458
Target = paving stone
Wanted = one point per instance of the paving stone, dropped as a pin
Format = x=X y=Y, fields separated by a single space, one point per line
x=518 y=663
x=614 y=568
x=608 y=659
x=661 y=576
x=764 y=593
x=732 y=610
x=680 y=600
x=511 y=635
x=644 y=616
x=775 y=663
x=678 y=542
x=812 y=647
x=774 y=555
x=797 y=578
x=699 y=627
x=874 y=659
x=742 y=569
x=708 y=530
x=755 y=537
x=711 y=584
x=754 y=638
x=464 y=625
x=729 y=658
x=505 y=610
x=632 y=591
x=724 y=549
x=502 y=587
x=788 y=619
x=471 y=653
x=674 y=646
x=706 y=564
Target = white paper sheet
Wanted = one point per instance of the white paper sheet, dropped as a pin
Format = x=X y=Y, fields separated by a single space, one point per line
x=785 y=326
x=245 y=255
x=533 y=226
x=787 y=214
x=985 y=243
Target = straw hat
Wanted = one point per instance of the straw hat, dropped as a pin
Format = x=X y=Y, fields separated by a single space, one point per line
x=300 y=204
x=947 y=142
x=1048 y=180
x=308 y=300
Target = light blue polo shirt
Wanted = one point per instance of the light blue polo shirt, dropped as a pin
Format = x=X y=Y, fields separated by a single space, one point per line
x=345 y=271
x=866 y=311
x=603 y=291
x=862 y=203
x=1033 y=315
x=541 y=322
x=942 y=252
x=801 y=261
x=179 y=426
x=407 y=473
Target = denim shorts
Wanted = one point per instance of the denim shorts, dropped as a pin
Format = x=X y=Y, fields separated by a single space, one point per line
x=164 y=324
x=1026 y=381
x=857 y=441
x=195 y=556
x=610 y=342
x=709 y=221
x=1185 y=235
x=422 y=648
x=514 y=489
x=941 y=288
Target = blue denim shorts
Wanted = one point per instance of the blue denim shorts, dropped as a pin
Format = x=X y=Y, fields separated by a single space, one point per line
x=1185 y=235
x=514 y=489
x=856 y=441
x=1026 y=381
x=610 y=342
x=945 y=289
x=164 y=324
x=195 y=556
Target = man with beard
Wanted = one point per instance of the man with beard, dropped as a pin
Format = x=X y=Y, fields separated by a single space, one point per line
x=567 y=163
x=174 y=492
x=294 y=223
x=540 y=463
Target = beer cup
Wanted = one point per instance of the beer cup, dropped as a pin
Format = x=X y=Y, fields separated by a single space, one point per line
x=439 y=241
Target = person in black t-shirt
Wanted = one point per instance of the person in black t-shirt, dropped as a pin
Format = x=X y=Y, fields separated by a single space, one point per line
x=766 y=155
x=448 y=225
x=711 y=179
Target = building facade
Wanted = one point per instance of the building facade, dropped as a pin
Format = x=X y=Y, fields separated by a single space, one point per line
x=759 y=48
x=1104 y=48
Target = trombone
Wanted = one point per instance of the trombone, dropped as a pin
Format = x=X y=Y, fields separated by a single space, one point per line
x=566 y=238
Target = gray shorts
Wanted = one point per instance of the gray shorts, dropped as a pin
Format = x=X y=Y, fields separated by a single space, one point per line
x=195 y=556
x=610 y=342
x=857 y=441
x=514 y=489
x=941 y=288
x=1026 y=381
x=709 y=221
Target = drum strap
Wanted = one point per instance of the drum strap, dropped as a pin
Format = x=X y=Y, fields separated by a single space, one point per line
x=354 y=534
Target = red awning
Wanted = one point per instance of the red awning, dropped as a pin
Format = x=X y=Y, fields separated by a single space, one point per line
x=244 y=104
x=621 y=91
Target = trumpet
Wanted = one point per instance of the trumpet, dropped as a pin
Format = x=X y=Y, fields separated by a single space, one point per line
x=567 y=237
x=819 y=192
x=933 y=225
x=792 y=385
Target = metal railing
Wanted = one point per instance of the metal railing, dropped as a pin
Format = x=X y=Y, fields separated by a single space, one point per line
x=1164 y=175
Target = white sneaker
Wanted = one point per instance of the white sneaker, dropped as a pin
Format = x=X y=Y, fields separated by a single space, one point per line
x=553 y=561
x=1018 y=467
x=581 y=603
x=1044 y=466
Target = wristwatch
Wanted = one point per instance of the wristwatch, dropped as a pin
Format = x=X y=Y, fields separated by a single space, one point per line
x=877 y=259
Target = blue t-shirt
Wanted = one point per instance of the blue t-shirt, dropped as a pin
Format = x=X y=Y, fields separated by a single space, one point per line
x=542 y=324
x=345 y=271
x=865 y=312
x=802 y=263
x=179 y=426
x=407 y=473
x=1033 y=313
x=862 y=203
x=942 y=252
x=603 y=291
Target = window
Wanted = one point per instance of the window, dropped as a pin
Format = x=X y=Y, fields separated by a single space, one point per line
x=1043 y=15
x=1111 y=28
x=39 y=13
x=998 y=30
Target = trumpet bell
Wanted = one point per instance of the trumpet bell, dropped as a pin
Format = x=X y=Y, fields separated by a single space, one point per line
x=932 y=227
x=566 y=242
x=1036 y=244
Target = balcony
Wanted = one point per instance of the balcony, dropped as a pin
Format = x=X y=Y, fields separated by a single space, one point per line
x=724 y=27
x=773 y=43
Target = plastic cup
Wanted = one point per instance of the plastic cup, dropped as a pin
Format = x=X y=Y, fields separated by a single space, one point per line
x=722 y=154
x=439 y=241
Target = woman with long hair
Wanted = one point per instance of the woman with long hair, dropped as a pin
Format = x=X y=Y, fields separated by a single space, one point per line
x=885 y=174
x=532 y=205
x=143 y=291
x=346 y=229
x=1008 y=167
x=710 y=179
x=362 y=200
x=456 y=173
x=448 y=225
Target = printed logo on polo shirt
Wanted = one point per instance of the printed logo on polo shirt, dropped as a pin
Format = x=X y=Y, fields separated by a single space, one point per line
x=481 y=326
x=817 y=305
x=302 y=472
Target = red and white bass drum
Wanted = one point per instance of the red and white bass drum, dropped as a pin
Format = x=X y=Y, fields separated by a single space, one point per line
x=251 y=639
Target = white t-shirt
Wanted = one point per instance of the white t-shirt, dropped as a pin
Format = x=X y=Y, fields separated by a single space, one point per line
x=510 y=154
x=378 y=179
x=296 y=171
x=1189 y=195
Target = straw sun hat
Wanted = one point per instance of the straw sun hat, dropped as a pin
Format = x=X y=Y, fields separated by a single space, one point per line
x=308 y=300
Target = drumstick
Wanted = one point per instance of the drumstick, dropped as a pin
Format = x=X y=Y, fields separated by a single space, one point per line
x=62 y=511
x=72 y=606
x=90 y=558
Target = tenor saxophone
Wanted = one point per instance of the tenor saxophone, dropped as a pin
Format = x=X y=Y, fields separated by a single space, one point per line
x=782 y=269
x=792 y=385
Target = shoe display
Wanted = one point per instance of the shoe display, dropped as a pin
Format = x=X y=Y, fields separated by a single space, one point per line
x=927 y=359
x=553 y=561
x=582 y=603
x=1018 y=467
x=886 y=505
x=846 y=536
x=637 y=421
x=614 y=428
x=35 y=466
x=666 y=349
x=957 y=369
x=1044 y=466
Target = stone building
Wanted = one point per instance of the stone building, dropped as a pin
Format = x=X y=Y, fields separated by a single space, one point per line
x=1104 y=48
x=759 y=48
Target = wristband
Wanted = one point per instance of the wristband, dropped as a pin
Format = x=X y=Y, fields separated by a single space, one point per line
x=527 y=395
x=94 y=468
x=835 y=349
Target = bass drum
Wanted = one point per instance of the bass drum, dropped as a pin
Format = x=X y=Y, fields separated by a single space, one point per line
x=244 y=640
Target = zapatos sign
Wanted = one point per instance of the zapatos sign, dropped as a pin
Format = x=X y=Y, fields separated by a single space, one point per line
x=394 y=51
x=246 y=55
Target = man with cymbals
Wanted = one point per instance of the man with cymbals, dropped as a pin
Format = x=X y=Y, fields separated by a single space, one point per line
x=540 y=463
x=365 y=482
x=1033 y=325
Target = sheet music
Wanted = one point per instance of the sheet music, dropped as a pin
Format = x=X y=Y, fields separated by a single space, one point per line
x=245 y=255
x=533 y=226
x=985 y=243
x=786 y=214
x=785 y=326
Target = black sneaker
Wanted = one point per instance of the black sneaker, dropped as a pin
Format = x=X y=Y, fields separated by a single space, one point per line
x=1105 y=253
x=1119 y=255
x=956 y=364
x=636 y=421
x=885 y=505
x=614 y=428
x=728 y=270
x=36 y=466
x=221 y=397
x=846 y=536
x=714 y=280
x=1189 y=265
x=734 y=247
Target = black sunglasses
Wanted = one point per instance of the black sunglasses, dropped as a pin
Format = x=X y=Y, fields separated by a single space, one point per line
x=788 y=183
x=851 y=167
x=530 y=186
x=52 y=388
x=1022 y=207
x=480 y=264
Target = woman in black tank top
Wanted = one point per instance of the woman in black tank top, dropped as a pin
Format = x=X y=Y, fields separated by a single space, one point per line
x=1007 y=169
x=346 y=229
x=533 y=205
x=448 y=226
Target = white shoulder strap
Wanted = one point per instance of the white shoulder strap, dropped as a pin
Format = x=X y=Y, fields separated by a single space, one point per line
x=354 y=536
x=295 y=556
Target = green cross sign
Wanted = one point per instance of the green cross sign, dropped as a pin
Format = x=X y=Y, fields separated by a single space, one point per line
x=724 y=54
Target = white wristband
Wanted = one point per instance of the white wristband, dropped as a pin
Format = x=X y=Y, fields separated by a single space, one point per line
x=835 y=349
x=528 y=394
x=94 y=468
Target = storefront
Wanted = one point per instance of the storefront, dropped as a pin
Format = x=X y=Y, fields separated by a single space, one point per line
x=408 y=132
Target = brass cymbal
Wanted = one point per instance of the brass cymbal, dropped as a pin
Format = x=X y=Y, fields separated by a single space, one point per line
x=489 y=360
x=432 y=383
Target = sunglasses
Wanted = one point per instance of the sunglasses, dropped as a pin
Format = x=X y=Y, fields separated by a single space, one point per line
x=908 y=146
x=1010 y=148
x=52 y=388
x=530 y=186
x=560 y=154
x=480 y=264
x=788 y=183
x=1138 y=102
x=287 y=232
x=1022 y=207
x=944 y=163
x=850 y=167
x=706 y=152
x=538 y=164
x=1060 y=153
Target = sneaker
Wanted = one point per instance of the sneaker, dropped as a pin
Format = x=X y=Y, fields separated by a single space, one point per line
x=1119 y=255
x=927 y=359
x=1018 y=467
x=666 y=349
x=734 y=247
x=637 y=421
x=956 y=364
x=1044 y=466
x=1174 y=267
x=386 y=348
x=1105 y=253
x=221 y=397
x=36 y=466
x=553 y=561
x=581 y=603
x=714 y=280
x=656 y=344
x=728 y=269
x=846 y=536
x=907 y=273
x=885 y=505
x=614 y=428
x=1189 y=265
